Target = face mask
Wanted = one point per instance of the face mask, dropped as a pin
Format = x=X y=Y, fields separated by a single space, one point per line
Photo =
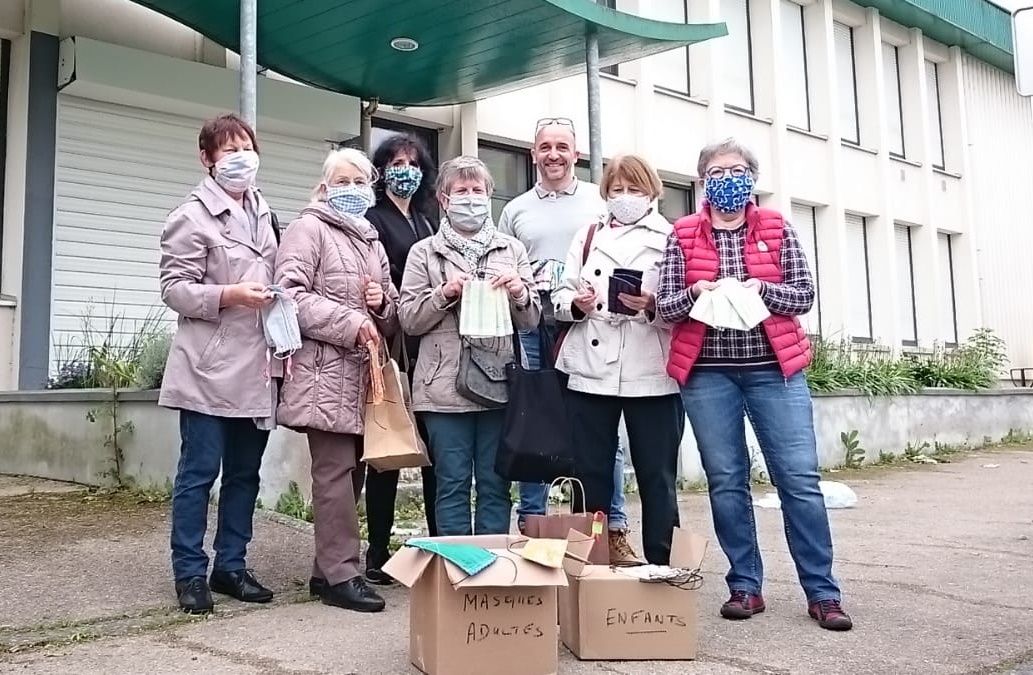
x=468 y=213
x=350 y=200
x=403 y=180
x=280 y=324
x=471 y=559
x=730 y=193
x=628 y=209
x=236 y=171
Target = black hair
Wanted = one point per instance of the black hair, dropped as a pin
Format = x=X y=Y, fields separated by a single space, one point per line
x=423 y=199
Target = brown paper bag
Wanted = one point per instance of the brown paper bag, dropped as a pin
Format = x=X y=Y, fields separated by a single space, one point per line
x=391 y=439
x=558 y=525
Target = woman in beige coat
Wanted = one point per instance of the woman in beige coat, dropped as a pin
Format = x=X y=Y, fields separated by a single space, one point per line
x=333 y=265
x=464 y=436
x=217 y=254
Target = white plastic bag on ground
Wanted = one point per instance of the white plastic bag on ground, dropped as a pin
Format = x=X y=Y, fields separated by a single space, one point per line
x=837 y=496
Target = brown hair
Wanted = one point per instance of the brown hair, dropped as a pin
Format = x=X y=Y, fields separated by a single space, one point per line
x=217 y=131
x=634 y=170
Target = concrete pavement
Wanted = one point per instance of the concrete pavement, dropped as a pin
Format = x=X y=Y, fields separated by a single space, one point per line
x=934 y=563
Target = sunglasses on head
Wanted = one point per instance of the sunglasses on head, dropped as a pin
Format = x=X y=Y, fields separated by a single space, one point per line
x=561 y=121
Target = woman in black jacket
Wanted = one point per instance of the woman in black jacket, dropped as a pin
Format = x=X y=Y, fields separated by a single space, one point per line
x=403 y=215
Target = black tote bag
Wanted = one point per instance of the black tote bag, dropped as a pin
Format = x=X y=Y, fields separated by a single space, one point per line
x=537 y=443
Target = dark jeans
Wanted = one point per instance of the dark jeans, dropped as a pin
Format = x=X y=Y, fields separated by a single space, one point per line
x=780 y=411
x=655 y=427
x=381 y=491
x=209 y=443
x=464 y=446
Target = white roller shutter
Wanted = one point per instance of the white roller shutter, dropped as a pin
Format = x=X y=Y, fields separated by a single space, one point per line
x=120 y=170
x=894 y=112
x=948 y=304
x=794 y=56
x=846 y=81
x=804 y=226
x=906 y=281
x=737 y=69
x=932 y=84
x=860 y=317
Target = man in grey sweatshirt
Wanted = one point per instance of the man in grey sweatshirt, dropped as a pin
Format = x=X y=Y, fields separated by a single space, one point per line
x=545 y=219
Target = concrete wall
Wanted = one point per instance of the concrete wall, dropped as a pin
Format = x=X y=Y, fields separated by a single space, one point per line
x=47 y=434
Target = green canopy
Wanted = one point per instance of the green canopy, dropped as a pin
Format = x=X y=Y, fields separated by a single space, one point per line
x=467 y=49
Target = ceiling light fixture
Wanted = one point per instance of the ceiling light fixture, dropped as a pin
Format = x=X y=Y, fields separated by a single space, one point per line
x=404 y=44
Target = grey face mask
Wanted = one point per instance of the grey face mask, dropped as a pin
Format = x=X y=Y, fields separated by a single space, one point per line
x=280 y=324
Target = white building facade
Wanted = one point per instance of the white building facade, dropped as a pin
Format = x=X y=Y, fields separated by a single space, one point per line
x=900 y=160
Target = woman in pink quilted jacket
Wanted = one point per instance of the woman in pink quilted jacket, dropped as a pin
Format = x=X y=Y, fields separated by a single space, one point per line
x=332 y=263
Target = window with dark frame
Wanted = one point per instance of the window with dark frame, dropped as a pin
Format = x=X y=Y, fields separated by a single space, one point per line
x=857 y=238
x=512 y=170
x=677 y=200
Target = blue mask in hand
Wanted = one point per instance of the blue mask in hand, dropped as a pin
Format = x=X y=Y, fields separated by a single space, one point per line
x=730 y=193
x=470 y=559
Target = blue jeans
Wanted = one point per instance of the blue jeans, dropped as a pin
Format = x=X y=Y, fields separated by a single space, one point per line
x=208 y=443
x=715 y=400
x=464 y=446
x=534 y=497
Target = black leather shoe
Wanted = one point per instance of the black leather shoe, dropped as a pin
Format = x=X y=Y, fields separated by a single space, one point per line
x=375 y=559
x=353 y=594
x=194 y=596
x=316 y=586
x=241 y=585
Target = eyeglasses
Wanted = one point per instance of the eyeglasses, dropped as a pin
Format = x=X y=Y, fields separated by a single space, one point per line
x=549 y=121
x=735 y=171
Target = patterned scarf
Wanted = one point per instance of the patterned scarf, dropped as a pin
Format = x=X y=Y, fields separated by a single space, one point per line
x=473 y=248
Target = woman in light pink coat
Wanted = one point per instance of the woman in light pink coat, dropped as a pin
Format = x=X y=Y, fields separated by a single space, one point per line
x=217 y=254
x=334 y=266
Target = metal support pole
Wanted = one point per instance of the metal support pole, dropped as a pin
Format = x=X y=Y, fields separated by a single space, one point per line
x=249 y=61
x=595 y=129
x=366 y=124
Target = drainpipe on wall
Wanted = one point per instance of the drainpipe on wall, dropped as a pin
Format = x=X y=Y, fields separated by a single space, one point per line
x=249 y=61
x=595 y=130
x=366 y=124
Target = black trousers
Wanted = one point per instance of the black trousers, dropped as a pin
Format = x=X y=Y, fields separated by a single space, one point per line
x=381 y=491
x=655 y=426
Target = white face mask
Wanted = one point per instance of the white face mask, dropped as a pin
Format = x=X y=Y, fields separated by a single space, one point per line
x=628 y=209
x=469 y=212
x=236 y=171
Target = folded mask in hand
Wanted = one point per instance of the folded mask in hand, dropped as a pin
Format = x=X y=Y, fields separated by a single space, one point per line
x=280 y=324
x=484 y=311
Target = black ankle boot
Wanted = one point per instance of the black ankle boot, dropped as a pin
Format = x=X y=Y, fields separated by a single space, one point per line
x=376 y=557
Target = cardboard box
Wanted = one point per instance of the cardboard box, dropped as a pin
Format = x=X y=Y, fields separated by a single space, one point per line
x=607 y=615
x=502 y=620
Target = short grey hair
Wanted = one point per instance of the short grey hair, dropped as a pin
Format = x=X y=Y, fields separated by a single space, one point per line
x=464 y=167
x=728 y=146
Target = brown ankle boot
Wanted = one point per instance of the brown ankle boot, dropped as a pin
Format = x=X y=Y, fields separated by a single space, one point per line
x=621 y=552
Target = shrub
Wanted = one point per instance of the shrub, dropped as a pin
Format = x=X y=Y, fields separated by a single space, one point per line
x=838 y=366
x=151 y=363
x=107 y=353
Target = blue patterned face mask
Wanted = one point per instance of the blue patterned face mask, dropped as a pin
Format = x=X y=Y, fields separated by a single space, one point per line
x=403 y=181
x=730 y=193
x=350 y=200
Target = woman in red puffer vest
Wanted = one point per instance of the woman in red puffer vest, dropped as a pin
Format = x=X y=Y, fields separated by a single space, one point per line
x=727 y=375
